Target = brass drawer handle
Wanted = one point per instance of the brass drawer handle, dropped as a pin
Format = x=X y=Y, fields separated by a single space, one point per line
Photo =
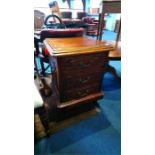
x=85 y=80
x=72 y=60
x=82 y=64
x=83 y=93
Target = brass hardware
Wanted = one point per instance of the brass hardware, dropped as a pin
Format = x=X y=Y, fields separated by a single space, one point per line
x=83 y=93
x=85 y=80
x=82 y=64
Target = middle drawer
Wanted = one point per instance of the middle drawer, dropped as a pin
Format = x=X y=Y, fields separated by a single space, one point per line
x=76 y=81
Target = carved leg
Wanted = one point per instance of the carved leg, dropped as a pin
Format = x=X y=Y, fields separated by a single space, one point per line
x=113 y=72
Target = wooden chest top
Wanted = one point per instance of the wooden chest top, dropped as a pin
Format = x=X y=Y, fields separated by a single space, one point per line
x=60 y=47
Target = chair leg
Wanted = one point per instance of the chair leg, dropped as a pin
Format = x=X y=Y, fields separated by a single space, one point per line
x=42 y=67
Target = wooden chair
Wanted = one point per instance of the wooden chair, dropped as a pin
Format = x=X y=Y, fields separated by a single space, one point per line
x=66 y=15
x=41 y=55
x=80 y=15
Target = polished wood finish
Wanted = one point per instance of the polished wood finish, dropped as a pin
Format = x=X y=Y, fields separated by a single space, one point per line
x=61 y=47
x=116 y=53
x=79 y=64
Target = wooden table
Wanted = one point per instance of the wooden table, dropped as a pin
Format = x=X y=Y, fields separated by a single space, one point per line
x=114 y=55
x=79 y=64
x=111 y=6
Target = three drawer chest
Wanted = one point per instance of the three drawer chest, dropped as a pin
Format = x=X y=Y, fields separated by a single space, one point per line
x=78 y=64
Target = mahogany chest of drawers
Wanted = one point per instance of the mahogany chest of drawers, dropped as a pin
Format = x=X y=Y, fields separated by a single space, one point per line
x=79 y=64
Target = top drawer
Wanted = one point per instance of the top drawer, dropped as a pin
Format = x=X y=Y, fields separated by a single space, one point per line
x=80 y=62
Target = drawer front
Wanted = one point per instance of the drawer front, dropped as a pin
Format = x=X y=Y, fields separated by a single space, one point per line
x=86 y=63
x=72 y=81
x=78 y=93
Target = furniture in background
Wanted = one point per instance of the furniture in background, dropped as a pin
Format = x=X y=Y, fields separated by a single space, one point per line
x=40 y=115
x=92 y=25
x=114 y=55
x=38 y=19
x=42 y=54
x=79 y=64
x=117 y=26
x=73 y=22
x=108 y=6
x=66 y=15
x=81 y=15
x=111 y=6
x=60 y=33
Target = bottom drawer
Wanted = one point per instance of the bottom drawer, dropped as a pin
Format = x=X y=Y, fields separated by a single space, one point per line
x=78 y=93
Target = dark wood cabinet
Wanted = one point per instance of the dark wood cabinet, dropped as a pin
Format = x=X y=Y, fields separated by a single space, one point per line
x=79 y=64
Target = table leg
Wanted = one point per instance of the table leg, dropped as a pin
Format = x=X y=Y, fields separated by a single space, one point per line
x=113 y=72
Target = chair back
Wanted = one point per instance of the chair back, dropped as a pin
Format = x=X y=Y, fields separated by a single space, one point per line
x=59 y=33
x=80 y=15
x=66 y=15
